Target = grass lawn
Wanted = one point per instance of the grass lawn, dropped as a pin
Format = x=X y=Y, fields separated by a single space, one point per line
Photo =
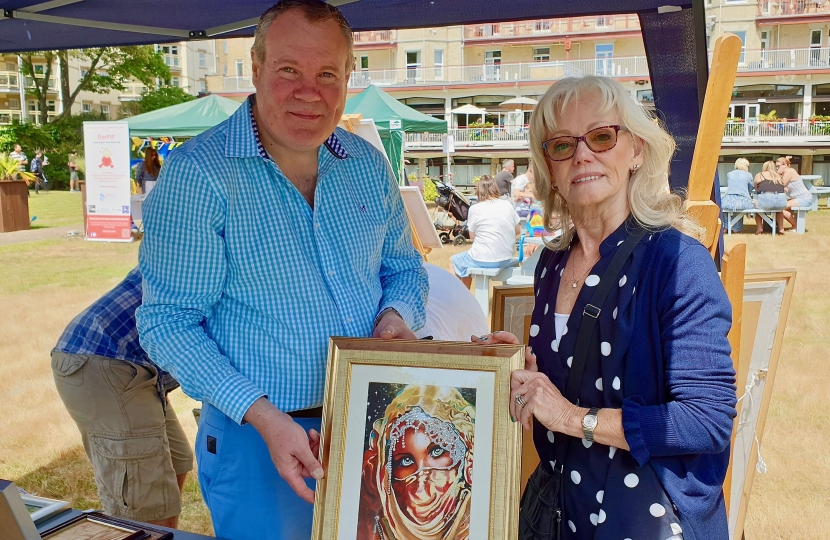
x=56 y=209
x=48 y=282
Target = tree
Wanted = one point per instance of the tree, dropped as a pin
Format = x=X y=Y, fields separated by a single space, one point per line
x=105 y=69
x=163 y=97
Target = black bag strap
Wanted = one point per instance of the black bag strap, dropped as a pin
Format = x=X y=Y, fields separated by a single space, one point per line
x=590 y=315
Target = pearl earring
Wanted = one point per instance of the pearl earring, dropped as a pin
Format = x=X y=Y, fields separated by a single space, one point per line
x=634 y=169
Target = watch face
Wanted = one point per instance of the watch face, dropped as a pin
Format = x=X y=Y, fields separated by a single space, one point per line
x=589 y=422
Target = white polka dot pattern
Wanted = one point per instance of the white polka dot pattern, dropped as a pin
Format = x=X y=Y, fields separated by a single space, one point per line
x=570 y=360
x=600 y=495
x=594 y=519
x=676 y=529
x=546 y=308
x=534 y=330
x=601 y=516
x=576 y=477
x=605 y=348
x=592 y=280
x=616 y=383
x=631 y=480
x=544 y=271
x=623 y=280
x=598 y=384
x=615 y=313
x=611 y=451
x=571 y=525
x=586 y=443
x=657 y=510
x=550 y=436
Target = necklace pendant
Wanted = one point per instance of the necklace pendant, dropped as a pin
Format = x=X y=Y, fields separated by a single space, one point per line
x=574 y=285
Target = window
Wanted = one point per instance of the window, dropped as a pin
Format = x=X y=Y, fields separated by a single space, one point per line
x=84 y=72
x=202 y=87
x=541 y=27
x=541 y=54
x=645 y=96
x=14 y=103
x=50 y=105
x=492 y=65
x=174 y=81
x=364 y=62
x=239 y=65
x=764 y=40
x=439 y=63
x=742 y=35
x=40 y=69
x=815 y=39
x=602 y=22
x=202 y=61
x=86 y=107
x=604 y=55
x=225 y=46
x=413 y=65
x=225 y=70
x=105 y=110
x=33 y=106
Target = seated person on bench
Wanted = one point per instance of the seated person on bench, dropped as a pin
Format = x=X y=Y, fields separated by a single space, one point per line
x=493 y=225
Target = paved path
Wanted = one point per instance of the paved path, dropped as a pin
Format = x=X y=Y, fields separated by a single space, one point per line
x=33 y=235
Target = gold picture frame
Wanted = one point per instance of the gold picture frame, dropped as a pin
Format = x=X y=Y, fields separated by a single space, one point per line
x=446 y=400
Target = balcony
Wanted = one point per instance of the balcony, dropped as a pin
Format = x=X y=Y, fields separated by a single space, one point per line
x=791 y=11
x=470 y=138
x=632 y=67
x=754 y=60
x=375 y=37
x=238 y=84
x=778 y=132
x=9 y=81
x=132 y=91
x=7 y=115
x=553 y=27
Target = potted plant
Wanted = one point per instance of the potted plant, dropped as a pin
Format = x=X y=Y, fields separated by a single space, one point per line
x=14 y=195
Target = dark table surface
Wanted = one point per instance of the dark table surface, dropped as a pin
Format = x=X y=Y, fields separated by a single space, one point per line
x=69 y=514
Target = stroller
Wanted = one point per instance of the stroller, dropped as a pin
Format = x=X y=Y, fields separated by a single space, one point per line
x=454 y=205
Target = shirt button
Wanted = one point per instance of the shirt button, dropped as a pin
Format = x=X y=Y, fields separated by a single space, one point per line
x=331 y=272
x=348 y=320
x=316 y=226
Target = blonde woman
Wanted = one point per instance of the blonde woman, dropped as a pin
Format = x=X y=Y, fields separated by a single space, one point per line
x=797 y=192
x=739 y=182
x=772 y=196
x=645 y=445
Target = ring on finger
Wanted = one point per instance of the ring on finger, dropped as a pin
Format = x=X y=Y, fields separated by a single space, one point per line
x=520 y=400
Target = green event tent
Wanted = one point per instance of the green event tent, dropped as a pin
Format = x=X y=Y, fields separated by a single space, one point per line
x=185 y=119
x=393 y=119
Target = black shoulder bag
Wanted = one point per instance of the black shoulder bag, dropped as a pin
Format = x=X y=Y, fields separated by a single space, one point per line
x=540 y=513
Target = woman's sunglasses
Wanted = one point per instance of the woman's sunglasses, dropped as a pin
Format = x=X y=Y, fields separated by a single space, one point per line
x=597 y=140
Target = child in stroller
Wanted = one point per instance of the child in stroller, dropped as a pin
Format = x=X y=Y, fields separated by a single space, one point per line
x=454 y=204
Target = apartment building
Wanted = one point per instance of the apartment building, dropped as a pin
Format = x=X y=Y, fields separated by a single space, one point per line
x=784 y=69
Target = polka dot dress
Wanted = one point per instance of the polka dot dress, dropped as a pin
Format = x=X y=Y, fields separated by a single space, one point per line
x=606 y=496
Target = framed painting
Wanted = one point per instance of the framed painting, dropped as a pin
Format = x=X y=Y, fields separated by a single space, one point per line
x=512 y=308
x=417 y=442
x=41 y=508
x=766 y=305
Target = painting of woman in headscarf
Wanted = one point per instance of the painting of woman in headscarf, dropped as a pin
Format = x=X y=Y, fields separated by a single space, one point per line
x=417 y=463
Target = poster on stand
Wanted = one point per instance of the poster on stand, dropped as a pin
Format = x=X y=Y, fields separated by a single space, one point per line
x=107 y=155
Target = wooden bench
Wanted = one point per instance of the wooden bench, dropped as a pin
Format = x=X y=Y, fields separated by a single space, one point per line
x=733 y=216
x=816 y=192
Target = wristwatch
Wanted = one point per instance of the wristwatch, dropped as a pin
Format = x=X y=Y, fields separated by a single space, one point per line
x=382 y=313
x=589 y=424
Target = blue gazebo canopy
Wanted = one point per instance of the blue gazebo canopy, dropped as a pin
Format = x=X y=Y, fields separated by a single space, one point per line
x=674 y=35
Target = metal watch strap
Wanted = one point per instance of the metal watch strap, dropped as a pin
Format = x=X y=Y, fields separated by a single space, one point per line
x=384 y=312
x=589 y=433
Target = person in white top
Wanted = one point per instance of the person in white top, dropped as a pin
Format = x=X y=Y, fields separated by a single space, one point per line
x=523 y=186
x=493 y=225
x=452 y=312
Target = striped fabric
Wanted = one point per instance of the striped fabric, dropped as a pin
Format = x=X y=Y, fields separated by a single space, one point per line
x=107 y=328
x=244 y=282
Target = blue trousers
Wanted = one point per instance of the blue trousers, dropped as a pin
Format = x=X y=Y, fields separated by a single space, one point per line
x=247 y=498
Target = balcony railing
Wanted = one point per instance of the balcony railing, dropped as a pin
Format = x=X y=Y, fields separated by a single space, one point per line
x=7 y=115
x=796 y=131
x=635 y=66
x=791 y=8
x=238 y=84
x=784 y=59
x=375 y=36
x=9 y=80
x=494 y=137
x=553 y=27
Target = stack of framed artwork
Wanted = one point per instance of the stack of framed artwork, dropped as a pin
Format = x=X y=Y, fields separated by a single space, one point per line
x=417 y=442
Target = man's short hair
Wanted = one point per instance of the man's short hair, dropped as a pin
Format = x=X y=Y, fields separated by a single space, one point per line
x=315 y=11
x=506 y=163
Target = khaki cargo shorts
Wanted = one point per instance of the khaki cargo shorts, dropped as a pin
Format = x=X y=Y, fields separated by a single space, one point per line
x=136 y=446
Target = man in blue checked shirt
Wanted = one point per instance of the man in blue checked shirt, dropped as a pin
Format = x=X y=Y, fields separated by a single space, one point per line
x=265 y=236
x=118 y=398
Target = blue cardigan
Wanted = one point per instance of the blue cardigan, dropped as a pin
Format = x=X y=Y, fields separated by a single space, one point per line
x=679 y=383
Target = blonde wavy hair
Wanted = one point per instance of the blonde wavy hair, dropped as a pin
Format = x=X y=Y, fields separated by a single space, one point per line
x=651 y=203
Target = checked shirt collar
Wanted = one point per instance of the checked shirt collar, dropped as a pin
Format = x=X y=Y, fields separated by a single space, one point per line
x=332 y=143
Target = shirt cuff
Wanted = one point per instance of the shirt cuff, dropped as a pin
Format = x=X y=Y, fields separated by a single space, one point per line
x=402 y=309
x=235 y=395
